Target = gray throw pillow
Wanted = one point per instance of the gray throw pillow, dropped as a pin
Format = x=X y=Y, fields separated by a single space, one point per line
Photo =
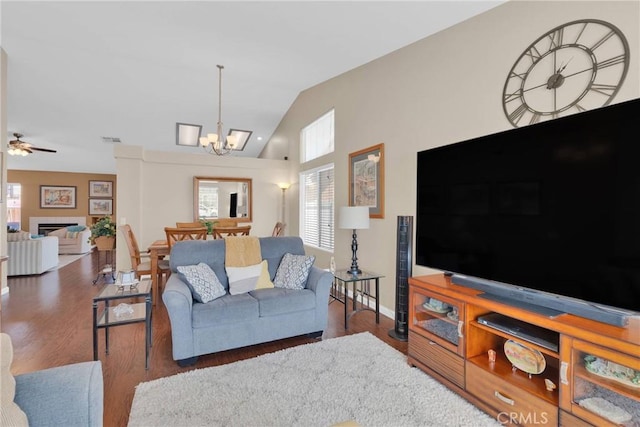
x=202 y=281
x=293 y=271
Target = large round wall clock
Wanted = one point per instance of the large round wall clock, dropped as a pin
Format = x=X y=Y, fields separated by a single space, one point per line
x=574 y=67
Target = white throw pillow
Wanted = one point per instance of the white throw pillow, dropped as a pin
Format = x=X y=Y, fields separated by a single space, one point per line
x=202 y=281
x=293 y=271
x=249 y=278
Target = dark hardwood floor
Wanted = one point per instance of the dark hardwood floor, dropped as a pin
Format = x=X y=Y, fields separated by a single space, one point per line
x=49 y=318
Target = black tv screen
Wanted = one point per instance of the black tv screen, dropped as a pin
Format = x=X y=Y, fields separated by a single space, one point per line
x=553 y=206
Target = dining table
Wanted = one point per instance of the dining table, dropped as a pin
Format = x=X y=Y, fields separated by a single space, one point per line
x=157 y=250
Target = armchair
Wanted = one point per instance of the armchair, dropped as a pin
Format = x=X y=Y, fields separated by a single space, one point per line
x=66 y=395
x=72 y=240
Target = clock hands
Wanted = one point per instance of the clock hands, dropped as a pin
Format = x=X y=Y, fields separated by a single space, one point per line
x=562 y=67
x=556 y=79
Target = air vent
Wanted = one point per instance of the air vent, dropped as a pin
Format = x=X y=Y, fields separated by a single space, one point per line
x=111 y=140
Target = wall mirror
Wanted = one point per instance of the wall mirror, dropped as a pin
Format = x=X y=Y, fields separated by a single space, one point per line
x=216 y=198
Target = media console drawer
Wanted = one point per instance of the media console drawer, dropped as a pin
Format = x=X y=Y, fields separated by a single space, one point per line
x=511 y=402
x=448 y=364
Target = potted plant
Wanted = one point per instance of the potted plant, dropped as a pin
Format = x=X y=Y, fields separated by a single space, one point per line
x=209 y=225
x=103 y=234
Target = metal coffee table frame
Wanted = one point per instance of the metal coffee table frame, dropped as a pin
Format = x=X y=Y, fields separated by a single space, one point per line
x=360 y=288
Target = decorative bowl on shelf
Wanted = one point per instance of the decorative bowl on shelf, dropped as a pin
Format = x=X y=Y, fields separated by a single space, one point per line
x=526 y=359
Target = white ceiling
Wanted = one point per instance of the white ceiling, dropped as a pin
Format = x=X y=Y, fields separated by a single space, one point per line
x=79 y=71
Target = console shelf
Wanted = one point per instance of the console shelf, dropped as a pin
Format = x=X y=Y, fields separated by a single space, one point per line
x=448 y=342
x=541 y=349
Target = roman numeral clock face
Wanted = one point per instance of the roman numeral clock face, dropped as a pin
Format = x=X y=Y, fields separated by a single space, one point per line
x=574 y=67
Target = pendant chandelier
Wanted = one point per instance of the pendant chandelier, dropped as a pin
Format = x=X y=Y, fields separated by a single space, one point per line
x=215 y=143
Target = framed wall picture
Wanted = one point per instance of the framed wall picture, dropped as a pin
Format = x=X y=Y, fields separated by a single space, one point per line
x=366 y=179
x=100 y=188
x=100 y=206
x=58 y=197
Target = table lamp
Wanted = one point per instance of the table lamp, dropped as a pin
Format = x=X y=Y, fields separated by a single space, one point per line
x=354 y=218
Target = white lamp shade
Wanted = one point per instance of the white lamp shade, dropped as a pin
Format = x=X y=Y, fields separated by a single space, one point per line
x=354 y=217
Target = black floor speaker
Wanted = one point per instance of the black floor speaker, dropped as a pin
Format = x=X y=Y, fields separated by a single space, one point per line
x=404 y=262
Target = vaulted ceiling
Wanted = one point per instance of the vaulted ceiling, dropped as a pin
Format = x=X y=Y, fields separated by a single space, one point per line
x=80 y=71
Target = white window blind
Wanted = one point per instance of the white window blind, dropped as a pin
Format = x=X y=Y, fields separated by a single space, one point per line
x=317 y=138
x=317 y=207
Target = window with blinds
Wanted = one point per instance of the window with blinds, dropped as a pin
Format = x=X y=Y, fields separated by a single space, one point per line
x=317 y=207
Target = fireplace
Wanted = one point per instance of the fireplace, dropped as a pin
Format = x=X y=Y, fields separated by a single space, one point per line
x=53 y=222
x=45 y=229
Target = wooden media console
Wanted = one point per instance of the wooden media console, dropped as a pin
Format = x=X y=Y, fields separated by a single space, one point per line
x=592 y=379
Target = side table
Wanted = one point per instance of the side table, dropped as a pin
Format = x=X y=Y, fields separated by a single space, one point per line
x=107 y=268
x=360 y=285
x=108 y=317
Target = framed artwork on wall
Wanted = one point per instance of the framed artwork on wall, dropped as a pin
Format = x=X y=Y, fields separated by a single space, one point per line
x=366 y=179
x=100 y=188
x=58 y=197
x=100 y=206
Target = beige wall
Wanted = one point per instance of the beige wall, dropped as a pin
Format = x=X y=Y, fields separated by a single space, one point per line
x=159 y=190
x=442 y=89
x=32 y=180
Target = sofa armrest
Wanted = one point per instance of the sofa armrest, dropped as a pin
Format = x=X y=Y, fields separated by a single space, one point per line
x=63 y=396
x=320 y=281
x=178 y=300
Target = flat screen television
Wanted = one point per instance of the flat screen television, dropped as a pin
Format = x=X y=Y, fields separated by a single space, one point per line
x=547 y=214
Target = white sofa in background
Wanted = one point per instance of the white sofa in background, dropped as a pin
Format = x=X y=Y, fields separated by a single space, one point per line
x=31 y=256
x=71 y=241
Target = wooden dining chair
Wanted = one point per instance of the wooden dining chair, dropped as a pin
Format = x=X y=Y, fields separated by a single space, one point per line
x=179 y=234
x=188 y=224
x=140 y=262
x=222 y=232
x=226 y=222
x=278 y=230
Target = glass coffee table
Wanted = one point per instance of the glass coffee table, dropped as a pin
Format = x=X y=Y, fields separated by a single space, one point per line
x=116 y=315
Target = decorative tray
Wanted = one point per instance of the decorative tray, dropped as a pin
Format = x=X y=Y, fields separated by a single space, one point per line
x=524 y=358
x=606 y=409
x=613 y=371
x=436 y=306
x=436 y=309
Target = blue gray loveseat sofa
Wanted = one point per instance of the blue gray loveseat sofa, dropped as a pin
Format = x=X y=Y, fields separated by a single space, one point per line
x=244 y=319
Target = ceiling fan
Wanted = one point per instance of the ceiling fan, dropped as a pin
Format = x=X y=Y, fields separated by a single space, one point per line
x=22 y=148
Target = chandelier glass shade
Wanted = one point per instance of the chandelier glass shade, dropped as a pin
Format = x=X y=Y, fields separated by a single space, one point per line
x=214 y=143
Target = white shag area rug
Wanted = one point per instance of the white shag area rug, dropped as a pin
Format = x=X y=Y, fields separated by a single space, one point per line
x=356 y=377
x=64 y=260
